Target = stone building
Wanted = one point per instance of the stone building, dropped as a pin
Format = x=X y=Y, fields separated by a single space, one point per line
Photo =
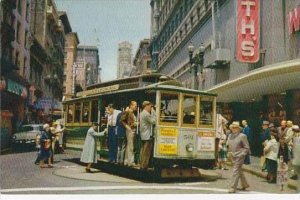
x=71 y=43
x=47 y=59
x=15 y=58
x=142 y=59
x=87 y=69
x=267 y=89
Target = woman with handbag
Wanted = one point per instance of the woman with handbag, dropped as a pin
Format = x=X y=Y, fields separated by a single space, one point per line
x=271 y=151
x=45 y=151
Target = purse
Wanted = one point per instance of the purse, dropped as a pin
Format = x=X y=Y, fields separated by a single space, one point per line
x=47 y=145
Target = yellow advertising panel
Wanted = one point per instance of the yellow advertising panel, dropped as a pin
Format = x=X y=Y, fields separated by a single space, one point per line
x=172 y=132
x=206 y=134
x=168 y=141
x=170 y=149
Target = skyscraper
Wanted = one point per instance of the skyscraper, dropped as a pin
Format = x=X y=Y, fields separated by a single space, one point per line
x=124 y=59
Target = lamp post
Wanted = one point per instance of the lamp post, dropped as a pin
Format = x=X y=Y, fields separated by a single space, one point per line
x=196 y=60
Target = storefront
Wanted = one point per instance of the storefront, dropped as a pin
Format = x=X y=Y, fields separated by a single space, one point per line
x=13 y=99
x=47 y=110
x=269 y=93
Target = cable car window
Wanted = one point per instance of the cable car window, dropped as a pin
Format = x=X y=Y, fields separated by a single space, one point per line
x=169 y=108
x=206 y=111
x=77 y=112
x=70 y=113
x=189 y=109
x=94 y=111
x=85 y=111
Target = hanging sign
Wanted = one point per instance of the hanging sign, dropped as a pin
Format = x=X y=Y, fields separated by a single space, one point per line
x=248 y=31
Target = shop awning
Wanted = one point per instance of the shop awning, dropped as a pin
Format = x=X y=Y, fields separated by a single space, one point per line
x=270 y=79
x=48 y=103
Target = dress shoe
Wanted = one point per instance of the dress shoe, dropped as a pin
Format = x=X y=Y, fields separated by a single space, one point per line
x=231 y=190
x=244 y=188
x=88 y=170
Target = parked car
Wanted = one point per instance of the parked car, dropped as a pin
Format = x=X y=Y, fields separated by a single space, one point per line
x=28 y=134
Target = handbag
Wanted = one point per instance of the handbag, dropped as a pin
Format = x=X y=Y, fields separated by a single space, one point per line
x=47 y=145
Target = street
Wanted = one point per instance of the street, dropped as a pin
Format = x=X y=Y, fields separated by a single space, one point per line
x=19 y=175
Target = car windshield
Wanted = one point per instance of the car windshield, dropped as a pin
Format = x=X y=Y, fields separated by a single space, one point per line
x=31 y=128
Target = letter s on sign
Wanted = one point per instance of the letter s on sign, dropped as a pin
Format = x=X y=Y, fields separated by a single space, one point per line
x=248 y=48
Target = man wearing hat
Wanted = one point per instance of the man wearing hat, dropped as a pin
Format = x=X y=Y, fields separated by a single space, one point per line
x=89 y=150
x=238 y=149
x=147 y=120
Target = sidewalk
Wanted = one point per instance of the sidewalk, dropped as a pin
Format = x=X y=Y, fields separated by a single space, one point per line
x=255 y=169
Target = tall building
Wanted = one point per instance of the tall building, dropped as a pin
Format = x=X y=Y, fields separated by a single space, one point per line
x=124 y=59
x=47 y=59
x=142 y=59
x=71 y=43
x=15 y=59
x=267 y=89
x=87 y=66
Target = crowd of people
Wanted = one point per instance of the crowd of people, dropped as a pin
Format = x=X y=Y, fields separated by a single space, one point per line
x=123 y=129
x=232 y=143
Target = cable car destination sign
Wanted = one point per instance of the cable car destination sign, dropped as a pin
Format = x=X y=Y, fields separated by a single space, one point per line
x=97 y=90
x=248 y=31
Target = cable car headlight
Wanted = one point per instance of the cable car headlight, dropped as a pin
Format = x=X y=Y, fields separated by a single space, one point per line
x=189 y=147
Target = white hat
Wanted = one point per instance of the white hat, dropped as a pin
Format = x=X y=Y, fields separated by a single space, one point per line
x=235 y=124
x=295 y=128
x=46 y=126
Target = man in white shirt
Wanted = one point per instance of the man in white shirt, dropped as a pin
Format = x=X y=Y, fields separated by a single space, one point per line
x=112 y=134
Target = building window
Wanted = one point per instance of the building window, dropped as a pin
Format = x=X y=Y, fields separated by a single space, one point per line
x=27 y=11
x=65 y=89
x=20 y=7
x=17 y=61
x=192 y=21
x=206 y=4
x=19 y=33
x=24 y=67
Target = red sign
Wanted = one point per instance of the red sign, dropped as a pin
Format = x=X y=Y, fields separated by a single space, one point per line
x=248 y=31
x=294 y=20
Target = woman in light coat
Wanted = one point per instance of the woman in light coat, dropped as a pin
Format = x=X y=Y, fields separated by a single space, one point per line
x=89 y=151
x=271 y=153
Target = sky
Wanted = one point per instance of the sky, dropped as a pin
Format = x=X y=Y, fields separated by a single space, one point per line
x=110 y=22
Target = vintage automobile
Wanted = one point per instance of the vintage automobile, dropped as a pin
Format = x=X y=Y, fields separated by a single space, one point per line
x=28 y=134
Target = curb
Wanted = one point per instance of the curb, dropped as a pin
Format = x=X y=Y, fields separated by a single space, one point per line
x=291 y=183
x=4 y=150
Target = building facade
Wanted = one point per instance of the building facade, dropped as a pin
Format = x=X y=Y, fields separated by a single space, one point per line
x=87 y=66
x=47 y=64
x=124 y=59
x=71 y=43
x=15 y=59
x=142 y=59
x=266 y=90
